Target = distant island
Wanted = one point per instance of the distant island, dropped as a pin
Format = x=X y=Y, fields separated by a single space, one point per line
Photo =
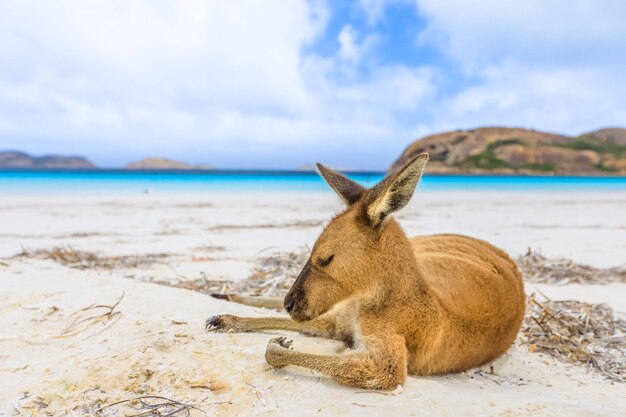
x=502 y=150
x=486 y=150
x=22 y=160
x=163 y=163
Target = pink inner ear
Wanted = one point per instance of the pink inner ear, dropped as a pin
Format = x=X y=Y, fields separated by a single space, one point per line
x=395 y=191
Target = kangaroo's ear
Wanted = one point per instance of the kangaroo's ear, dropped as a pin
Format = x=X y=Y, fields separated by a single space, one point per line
x=348 y=190
x=395 y=191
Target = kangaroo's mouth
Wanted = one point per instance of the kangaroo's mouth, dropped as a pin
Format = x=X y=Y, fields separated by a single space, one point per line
x=303 y=312
x=298 y=309
x=301 y=316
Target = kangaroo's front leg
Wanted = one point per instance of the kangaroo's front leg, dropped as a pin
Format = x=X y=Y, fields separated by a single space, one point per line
x=228 y=323
x=380 y=364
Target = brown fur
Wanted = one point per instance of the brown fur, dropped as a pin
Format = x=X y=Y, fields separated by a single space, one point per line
x=422 y=306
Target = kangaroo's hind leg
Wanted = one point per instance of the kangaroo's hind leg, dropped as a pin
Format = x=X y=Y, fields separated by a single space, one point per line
x=253 y=301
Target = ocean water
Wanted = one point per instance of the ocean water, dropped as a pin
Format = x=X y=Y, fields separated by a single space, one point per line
x=103 y=182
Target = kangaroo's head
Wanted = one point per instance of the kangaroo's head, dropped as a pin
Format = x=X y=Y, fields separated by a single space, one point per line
x=360 y=247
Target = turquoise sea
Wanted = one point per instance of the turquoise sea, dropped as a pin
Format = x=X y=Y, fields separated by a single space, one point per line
x=102 y=182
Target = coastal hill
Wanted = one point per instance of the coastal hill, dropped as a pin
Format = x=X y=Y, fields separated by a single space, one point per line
x=501 y=150
x=163 y=163
x=22 y=160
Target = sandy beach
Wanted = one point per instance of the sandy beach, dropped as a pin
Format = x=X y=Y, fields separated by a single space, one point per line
x=66 y=347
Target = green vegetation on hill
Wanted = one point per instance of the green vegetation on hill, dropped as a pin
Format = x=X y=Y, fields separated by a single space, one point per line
x=487 y=160
x=539 y=167
x=492 y=146
x=604 y=168
x=509 y=150
x=589 y=143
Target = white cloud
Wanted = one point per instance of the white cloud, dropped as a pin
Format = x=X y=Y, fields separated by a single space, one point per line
x=87 y=60
x=373 y=9
x=190 y=78
x=351 y=50
x=555 y=65
x=348 y=49
x=481 y=32
x=237 y=84
x=562 y=100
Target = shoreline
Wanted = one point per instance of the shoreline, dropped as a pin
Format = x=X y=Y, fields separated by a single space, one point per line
x=296 y=172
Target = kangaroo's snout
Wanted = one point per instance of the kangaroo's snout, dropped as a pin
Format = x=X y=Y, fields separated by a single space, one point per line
x=295 y=300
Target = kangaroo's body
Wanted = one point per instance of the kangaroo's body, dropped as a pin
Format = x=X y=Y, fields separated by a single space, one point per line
x=425 y=305
x=477 y=304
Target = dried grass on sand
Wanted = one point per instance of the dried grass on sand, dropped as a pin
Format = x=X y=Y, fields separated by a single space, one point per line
x=577 y=333
x=271 y=277
x=537 y=268
x=66 y=255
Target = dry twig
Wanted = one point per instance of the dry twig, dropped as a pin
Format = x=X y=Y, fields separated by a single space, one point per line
x=272 y=276
x=578 y=333
x=83 y=319
x=537 y=268
x=153 y=405
x=67 y=256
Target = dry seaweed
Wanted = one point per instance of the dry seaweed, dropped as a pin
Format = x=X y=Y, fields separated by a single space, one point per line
x=577 y=333
x=209 y=248
x=537 y=268
x=272 y=276
x=299 y=224
x=202 y=285
x=77 y=259
x=151 y=405
x=91 y=315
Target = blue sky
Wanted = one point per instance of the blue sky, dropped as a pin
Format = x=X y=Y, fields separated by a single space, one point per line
x=281 y=84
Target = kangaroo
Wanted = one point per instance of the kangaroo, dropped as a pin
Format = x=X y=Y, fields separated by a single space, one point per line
x=421 y=306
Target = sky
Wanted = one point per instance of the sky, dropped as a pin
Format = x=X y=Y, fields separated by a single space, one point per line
x=278 y=84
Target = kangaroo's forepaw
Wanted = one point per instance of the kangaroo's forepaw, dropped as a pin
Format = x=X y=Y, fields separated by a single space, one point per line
x=223 y=323
x=275 y=352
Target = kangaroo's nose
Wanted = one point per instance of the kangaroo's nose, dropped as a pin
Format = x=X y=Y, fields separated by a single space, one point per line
x=289 y=305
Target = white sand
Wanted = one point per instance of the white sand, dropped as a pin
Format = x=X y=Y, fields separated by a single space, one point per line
x=157 y=345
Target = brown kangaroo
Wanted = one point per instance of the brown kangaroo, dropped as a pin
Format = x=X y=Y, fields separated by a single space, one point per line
x=423 y=306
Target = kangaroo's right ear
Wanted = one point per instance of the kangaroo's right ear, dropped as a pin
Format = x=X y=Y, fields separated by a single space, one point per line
x=395 y=191
x=348 y=190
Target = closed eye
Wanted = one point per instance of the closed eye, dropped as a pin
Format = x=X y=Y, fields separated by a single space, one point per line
x=326 y=261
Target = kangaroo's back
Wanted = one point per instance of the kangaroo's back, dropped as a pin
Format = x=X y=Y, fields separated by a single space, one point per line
x=479 y=291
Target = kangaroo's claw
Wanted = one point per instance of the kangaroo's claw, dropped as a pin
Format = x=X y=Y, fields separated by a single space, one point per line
x=224 y=323
x=282 y=341
x=224 y=297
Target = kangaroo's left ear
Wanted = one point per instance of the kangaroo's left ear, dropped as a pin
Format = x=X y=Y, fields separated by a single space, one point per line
x=395 y=191
x=348 y=190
